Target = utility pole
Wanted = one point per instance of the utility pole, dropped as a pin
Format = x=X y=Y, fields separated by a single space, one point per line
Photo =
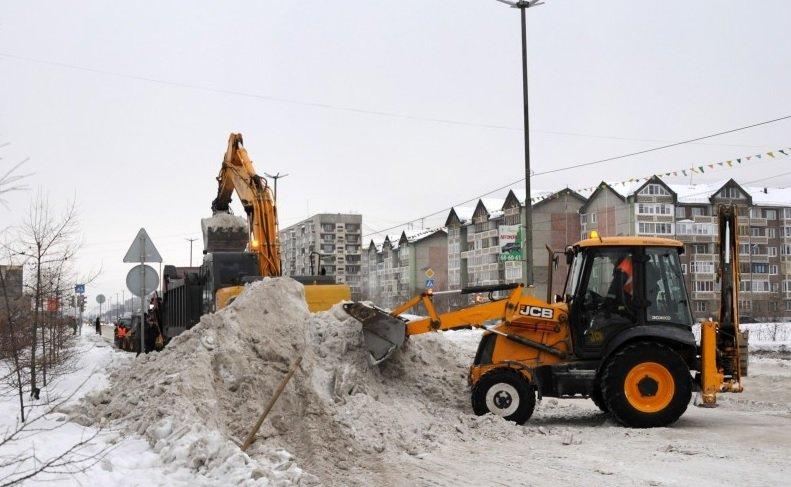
x=276 y=177
x=190 y=240
x=527 y=240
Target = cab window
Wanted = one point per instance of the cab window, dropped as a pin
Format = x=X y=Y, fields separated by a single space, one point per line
x=664 y=284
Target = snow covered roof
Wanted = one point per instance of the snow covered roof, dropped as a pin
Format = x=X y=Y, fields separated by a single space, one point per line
x=770 y=196
x=412 y=236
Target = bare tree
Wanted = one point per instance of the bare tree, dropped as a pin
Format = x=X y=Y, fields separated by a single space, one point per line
x=47 y=242
x=11 y=181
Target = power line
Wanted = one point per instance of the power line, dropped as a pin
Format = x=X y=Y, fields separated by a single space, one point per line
x=576 y=166
x=327 y=106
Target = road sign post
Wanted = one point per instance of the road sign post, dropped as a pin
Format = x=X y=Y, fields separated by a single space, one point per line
x=142 y=250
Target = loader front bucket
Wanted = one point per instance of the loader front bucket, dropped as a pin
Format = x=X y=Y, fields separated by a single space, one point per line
x=383 y=333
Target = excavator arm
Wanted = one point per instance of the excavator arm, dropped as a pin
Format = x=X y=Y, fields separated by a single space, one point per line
x=238 y=174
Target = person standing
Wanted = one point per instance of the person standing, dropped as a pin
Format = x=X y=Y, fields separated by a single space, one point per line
x=98 y=326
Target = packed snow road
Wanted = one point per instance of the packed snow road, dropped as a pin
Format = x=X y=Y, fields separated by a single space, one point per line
x=745 y=441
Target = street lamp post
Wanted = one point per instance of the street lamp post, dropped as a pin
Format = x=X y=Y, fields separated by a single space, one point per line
x=276 y=177
x=527 y=240
x=190 y=240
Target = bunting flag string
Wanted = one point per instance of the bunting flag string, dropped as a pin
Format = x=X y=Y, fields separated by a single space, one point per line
x=695 y=169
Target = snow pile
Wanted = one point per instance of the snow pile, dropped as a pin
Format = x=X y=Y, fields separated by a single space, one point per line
x=339 y=416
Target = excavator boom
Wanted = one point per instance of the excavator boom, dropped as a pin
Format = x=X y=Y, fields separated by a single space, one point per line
x=258 y=231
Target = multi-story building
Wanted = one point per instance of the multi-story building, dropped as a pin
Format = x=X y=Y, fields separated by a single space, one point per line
x=328 y=243
x=689 y=213
x=477 y=250
x=11 y=282
x=398 y=268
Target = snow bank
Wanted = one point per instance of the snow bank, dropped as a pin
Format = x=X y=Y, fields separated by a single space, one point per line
x=339 y=416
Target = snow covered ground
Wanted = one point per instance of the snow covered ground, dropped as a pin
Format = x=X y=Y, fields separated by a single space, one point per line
x=745 y=440
x=121 y=460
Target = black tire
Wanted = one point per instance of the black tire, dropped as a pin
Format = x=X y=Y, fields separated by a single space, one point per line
x=598 y=399
x=653 y=403
x=504 y=392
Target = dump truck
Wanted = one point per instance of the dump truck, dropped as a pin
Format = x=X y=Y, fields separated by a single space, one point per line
x=621 y=333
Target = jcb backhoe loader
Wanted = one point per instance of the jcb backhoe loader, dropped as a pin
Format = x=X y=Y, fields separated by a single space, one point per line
x=620 y=334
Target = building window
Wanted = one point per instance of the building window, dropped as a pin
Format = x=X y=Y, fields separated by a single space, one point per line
x=701 y=267
x=683 y=268
x=757 y=232
x=788 y=305
x=655 y=190
x=700 y=248
x=773 y=270
x=654 y=209
x=583 y=218
x=698 y=211
x=760 y=268
x=770 y=214
x=786 y=286
x=771 y=232
x=593 y=217
x=745 y=305
x=654 y=228
x=704 y=286
x=730 y=193
x=681 y=212
x=700 y=306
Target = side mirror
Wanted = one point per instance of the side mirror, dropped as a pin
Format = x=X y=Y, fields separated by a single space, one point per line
x=569 y=257
x=555 y=261
x=559 y=298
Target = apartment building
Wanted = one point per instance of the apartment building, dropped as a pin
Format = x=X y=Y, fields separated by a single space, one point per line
x=479 y=239
x=328 y=242
x=11 y=283
x=398 y=268
x=688 y=213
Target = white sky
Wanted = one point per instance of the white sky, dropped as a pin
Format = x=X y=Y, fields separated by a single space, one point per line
x=622 y=75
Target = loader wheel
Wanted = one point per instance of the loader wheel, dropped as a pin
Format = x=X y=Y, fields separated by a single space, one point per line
x=506 y=393
x=646 y=385
x=598 y=399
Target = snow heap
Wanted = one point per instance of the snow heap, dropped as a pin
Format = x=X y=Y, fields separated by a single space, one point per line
x=338 y=418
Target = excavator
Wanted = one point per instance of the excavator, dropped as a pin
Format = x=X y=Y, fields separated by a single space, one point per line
x=621 y=333
x=238 y=250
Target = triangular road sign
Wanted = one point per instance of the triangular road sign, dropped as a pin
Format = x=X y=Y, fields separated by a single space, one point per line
x=142 y=249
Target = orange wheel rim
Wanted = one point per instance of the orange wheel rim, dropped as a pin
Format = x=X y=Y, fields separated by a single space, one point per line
x=649 y=387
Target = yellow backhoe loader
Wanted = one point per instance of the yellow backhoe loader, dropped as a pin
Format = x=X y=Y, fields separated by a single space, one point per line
x=621 y=333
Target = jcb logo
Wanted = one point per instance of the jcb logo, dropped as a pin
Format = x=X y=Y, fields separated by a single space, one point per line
x=537 y=312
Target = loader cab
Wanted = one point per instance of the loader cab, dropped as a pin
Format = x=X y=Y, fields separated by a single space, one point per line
x=621 y=286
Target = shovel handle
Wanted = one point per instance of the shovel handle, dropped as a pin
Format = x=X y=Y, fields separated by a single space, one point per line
x=251 y=436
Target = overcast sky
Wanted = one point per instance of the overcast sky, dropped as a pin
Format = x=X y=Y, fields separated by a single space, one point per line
x=607 y=77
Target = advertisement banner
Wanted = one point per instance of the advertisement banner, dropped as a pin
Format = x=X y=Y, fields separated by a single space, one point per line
x=510 y=242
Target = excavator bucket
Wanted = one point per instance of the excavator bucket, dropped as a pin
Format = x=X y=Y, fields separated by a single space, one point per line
x=383 y=333
x=224 y=232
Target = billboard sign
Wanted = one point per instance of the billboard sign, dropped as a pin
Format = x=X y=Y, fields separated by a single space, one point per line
x=510 y=242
